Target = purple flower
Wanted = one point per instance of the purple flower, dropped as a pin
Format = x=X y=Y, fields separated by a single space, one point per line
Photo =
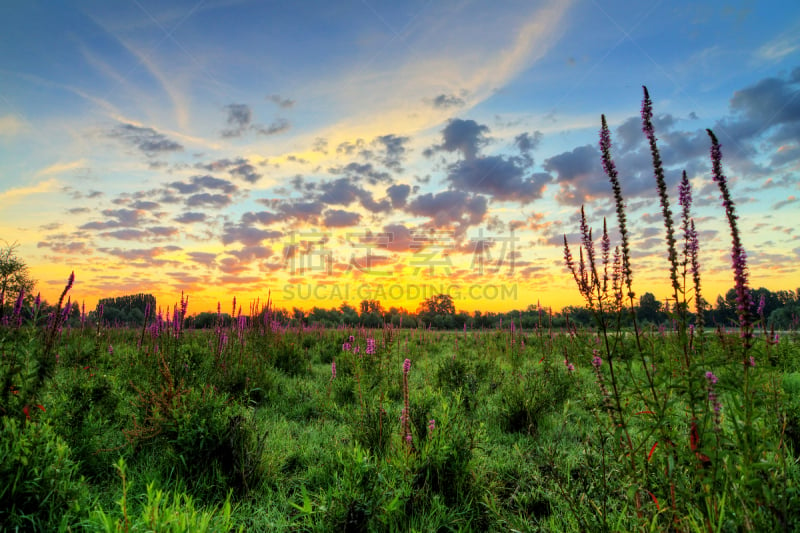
x=712 y=379
x=347 y=346
x=761 y=303
x=596 y=362
x=431 y=425
x=333 y=370
x=370 y=346
x=406 y=366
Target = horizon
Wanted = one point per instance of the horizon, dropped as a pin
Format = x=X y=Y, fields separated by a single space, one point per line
x=227 y=148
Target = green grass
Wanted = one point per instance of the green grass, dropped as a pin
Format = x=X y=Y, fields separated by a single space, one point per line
x=176 y=435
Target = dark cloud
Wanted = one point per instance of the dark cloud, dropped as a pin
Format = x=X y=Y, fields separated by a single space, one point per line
x=450 y=207
x=222 y=164
x=364 y=171
x=498 y=176
x=265 y=218
x=343 y=191
x=337 y=218
x=191 y=217
x=527 y=142
x=302 y=211
x=148 y=140
x=209 y=200
x=239 y=118
x=163 y=231
x=398 y=194
x=78 y=210
x=247 y=235
x=121 y=218
x=465 y=136
x=392 y=150
x=247 y=172
x=447 y=101
x=280 y=101
x=200 y=183
x=145 y=205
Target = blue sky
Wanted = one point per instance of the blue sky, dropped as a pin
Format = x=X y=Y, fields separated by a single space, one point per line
x=211 y=146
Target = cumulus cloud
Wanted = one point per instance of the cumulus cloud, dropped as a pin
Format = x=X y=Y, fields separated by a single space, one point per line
x=148 y=140
x=247 y=235
x=208 y=200
x=398 y=194
x=500 y=177
x=338 y=218
x=450 y=208
x=464 y=136
x=201 y=183
x=190 y=217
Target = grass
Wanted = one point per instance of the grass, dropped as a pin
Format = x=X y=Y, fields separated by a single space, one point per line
x=519 y=441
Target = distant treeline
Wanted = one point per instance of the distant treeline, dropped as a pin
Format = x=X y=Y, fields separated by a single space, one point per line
x=127 y=310
x=780 y=310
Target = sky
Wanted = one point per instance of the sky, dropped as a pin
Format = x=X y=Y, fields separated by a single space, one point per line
x=322 y=152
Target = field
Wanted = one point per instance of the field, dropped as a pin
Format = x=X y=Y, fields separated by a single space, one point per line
x=259 y=424
x=264 y=427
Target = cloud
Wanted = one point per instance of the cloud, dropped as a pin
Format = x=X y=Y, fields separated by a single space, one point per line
x=222 y=164
x=247 y=172
x=393 y=151
x=191 y=217
x=277 y=126
x=209 y=200
x=770 y=104
x=200 y=183
x=448 y=208
x=363 y=170
x=338 y=218
x=527 y=142
x=498 y=176
x=278 y=100
x=148 y=140
x=239 y=118
x=265 y=218
x=122 y=218
x=447 y=101
x=247 y=235
x=145 y=205
x=791 y=200
x=465 y=136
x=398 y=194
x=203 y=258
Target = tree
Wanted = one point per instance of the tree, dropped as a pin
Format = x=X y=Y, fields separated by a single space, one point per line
x=649 y=308
x=433 y=310
x=14 y=277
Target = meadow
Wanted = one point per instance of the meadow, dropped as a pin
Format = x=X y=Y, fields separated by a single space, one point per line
x=258 y=425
